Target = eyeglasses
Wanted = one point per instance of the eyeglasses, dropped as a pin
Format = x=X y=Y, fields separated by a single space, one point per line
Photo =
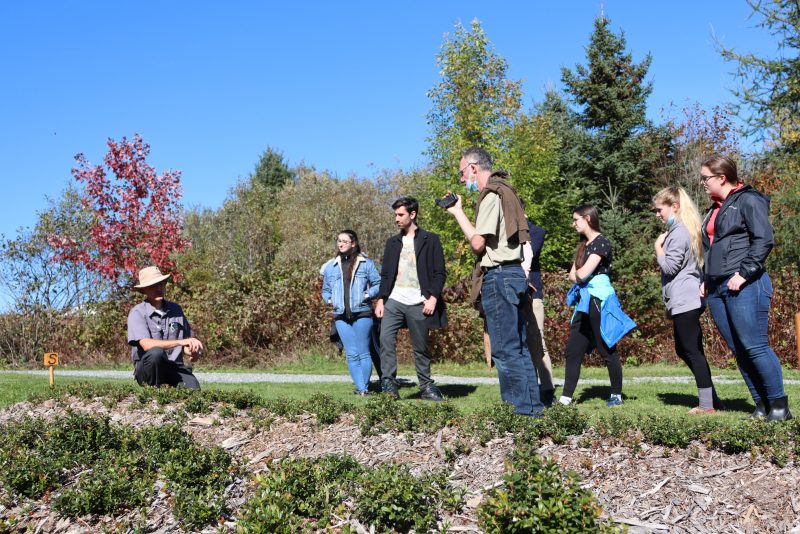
x=704 y=178
x=343 y=241
x=461 y=171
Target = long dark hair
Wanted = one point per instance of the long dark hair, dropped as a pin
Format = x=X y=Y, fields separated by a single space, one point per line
x=585 y=210
x=356 y=251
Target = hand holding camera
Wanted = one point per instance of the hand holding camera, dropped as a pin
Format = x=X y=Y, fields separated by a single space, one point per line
x=447 y=201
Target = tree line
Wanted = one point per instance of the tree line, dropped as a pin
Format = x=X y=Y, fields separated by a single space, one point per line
x=247 y=272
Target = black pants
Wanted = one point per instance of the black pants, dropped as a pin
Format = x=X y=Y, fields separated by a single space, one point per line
x=689 y=345
x=584 y=335
x=154 y=368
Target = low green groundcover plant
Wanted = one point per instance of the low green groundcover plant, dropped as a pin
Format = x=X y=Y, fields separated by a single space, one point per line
x=85 y=463
x=90 y=466
x=304 y=494
x=537 y=496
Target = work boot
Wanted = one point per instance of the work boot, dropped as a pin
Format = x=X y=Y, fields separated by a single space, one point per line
x=547 y=397
x=430 y=392
x=389 y=386
x=779 y=410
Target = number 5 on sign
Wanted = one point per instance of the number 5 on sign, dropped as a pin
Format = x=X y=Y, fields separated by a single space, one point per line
x=51 y=360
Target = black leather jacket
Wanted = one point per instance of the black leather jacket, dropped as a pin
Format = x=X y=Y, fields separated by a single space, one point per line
x=742 y=236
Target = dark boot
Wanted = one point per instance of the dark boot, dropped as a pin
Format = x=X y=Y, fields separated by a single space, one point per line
x=779 y=410
x=759 y=413
x=389 y=386
x=430 y=392
x=547 y=397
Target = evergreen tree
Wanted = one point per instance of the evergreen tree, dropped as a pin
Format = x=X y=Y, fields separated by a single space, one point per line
x=620 y=147
x=769 y=102
x=271 y=170
x=770 y=89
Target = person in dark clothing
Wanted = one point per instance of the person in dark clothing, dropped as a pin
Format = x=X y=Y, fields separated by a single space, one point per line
x=160 y=336
x=531 y=251
x=737 y=238
x=410 y=295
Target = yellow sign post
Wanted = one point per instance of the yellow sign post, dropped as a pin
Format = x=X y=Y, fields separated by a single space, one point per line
x=51 y=360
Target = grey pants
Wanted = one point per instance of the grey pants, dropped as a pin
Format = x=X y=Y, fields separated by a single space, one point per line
x=154 y=368
x=395 y=317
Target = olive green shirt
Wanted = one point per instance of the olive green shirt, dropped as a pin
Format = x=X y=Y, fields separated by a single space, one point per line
x=492 y=226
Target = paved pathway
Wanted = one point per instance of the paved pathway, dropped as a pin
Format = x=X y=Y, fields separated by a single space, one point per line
x=243 y=378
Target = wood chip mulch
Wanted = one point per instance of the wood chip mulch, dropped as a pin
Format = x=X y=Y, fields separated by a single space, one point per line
x=647 y=488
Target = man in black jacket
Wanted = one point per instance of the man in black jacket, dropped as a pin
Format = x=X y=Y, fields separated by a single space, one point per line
x=412 y=279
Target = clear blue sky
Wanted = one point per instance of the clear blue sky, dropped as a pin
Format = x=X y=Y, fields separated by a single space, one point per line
x=338 y=85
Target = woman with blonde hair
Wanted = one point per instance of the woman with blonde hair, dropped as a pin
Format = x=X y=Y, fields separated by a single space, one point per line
x=679 y=252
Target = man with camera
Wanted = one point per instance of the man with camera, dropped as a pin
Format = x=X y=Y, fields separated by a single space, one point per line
x=410 y=295
x=160 y=336
x=497 y=237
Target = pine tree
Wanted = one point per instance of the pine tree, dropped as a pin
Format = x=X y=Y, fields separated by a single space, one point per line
x=619 y=147
x=272 y=171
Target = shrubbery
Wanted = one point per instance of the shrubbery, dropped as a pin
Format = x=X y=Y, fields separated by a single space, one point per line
x=90 y=466
x=116 y=467
x=537 y=496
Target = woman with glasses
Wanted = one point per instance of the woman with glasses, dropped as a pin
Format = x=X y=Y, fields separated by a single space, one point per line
x=737 y=238
x=679 y=252
x=598 y=321
x=350 y=282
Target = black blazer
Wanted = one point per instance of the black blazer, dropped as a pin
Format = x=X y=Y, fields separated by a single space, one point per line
x=430 y=270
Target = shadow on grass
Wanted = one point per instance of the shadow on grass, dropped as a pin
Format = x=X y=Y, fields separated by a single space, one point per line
x=600 y=392
x=678 y=399
x=454 y=391
x=690 y=401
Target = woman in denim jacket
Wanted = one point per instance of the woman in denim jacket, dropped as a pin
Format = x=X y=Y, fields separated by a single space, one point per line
x=737 y=238
x=679 y=252
x=350 y=282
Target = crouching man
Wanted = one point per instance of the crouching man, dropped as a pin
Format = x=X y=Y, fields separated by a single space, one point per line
x=160 y=336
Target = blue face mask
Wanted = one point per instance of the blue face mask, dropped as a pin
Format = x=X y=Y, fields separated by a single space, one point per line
x=472 y=187
x=671 y=220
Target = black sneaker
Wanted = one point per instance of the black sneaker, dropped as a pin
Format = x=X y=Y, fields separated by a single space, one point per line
x=431 y=393
x=389 y=387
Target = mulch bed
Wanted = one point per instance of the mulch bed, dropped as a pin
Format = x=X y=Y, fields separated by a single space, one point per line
x=647 y=488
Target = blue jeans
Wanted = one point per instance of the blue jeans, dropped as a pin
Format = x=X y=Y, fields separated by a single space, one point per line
x=356 y=339
x=742 y=318
x=503 y=297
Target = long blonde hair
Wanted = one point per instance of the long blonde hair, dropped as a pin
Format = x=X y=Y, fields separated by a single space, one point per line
x=687 y=214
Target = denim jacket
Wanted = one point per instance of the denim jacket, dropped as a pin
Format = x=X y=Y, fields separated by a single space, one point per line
x=364 y=285
x=614 y=323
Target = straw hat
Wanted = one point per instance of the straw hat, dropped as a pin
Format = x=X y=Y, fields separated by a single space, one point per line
x=150 y=276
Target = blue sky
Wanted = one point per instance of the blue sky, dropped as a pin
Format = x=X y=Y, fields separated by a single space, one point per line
x=338 y=85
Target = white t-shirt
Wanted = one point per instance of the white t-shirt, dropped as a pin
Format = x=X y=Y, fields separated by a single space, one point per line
x=406 y=285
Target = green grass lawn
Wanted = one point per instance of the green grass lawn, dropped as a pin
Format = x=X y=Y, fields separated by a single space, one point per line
x=640 y=399
x=312 y=364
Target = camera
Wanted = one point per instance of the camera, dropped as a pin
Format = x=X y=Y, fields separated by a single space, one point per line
x=447 y=201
